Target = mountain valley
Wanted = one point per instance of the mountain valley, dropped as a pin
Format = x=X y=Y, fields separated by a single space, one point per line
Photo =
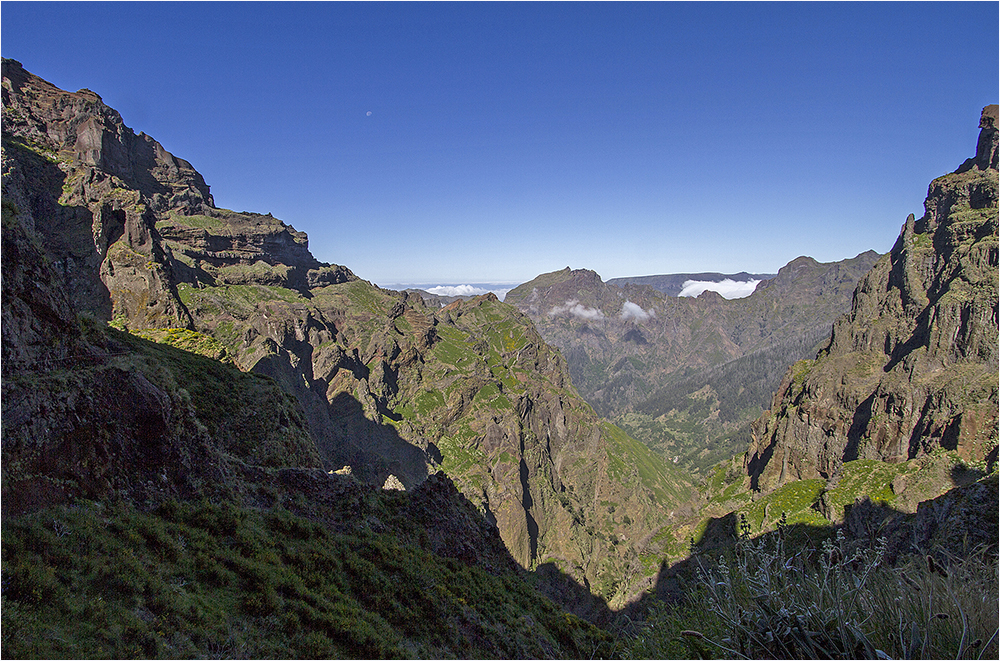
x=387 y=387
x=687 y=375
x=215 y=444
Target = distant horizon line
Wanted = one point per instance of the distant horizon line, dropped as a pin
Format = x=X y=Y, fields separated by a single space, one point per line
x=413 y=284
x=457 y=282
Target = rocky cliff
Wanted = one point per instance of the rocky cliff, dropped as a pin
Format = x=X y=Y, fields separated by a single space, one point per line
x=383 y=384
x=687 y=375
x=89 y=412
x=158 y=502
x=911 y=369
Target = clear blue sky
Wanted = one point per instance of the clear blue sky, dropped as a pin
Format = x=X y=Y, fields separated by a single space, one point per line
x=507 y=140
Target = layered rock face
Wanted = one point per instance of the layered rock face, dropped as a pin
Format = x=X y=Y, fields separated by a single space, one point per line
x=80 y=127
x=124 y=219
x=90 y=413
x=384 y=385
x=913 y=366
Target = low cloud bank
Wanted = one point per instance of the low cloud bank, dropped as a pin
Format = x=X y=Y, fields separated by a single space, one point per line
x=457 y=290
x=468 y=290
x=727 y=288
x=575 y=309
x=632 y=311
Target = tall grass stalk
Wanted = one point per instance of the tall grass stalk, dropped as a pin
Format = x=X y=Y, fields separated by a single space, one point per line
x=838 y=601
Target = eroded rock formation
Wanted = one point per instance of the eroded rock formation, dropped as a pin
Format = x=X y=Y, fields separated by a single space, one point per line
x=913 y=366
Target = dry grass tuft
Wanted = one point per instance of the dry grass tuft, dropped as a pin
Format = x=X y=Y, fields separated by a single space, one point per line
x=838 y=601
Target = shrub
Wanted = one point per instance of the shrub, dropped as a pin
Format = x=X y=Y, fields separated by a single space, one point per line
x=837 y=601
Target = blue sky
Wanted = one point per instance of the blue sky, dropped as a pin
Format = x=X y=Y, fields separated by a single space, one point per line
x=507 y=140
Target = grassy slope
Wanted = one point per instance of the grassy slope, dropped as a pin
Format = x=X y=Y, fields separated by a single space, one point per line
x=213 y=578
x=201 y=579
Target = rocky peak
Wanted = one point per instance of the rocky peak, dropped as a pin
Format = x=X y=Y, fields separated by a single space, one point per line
x=79 y=127
x=986 y=148
x=788 y=273
x=565 y=282
x=912 y=367
x=124 y=219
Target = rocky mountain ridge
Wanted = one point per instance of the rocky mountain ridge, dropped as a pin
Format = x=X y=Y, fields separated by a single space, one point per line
x=672 y=284
x=686 y=375
x=157 y=502
x=384 y=385
x=890 y=432
x=209 y=433
x=912 y=367
x=89 y=412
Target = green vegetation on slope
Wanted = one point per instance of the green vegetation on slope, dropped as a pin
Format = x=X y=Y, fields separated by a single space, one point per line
x=240 y=301
x=629 y=459
x=704 y=417
x=246 y=413
x=217 y=580
x=690 y=376
x=188 y=340
x=767 y=598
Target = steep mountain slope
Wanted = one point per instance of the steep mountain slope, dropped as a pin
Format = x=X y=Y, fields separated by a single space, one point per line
x=94 y=413
x=687 y=375
x=912 y=368
x=386 y=386
x=891 y=432
x=106 y=435
x=207 y=580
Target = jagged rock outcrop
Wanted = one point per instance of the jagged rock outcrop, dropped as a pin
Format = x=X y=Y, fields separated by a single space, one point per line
x=988 y=145
x=913 y=366
x=125 y=220
x=91 y=413
x=80 y=128
x=221 y=247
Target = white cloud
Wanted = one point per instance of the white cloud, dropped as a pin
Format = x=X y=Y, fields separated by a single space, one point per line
x=456 y=290
x=577 y=310
x=632 y=311
x=727 y=288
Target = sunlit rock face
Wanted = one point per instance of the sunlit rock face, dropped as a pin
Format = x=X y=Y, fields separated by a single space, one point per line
x=913 y=366
x=127 y=221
